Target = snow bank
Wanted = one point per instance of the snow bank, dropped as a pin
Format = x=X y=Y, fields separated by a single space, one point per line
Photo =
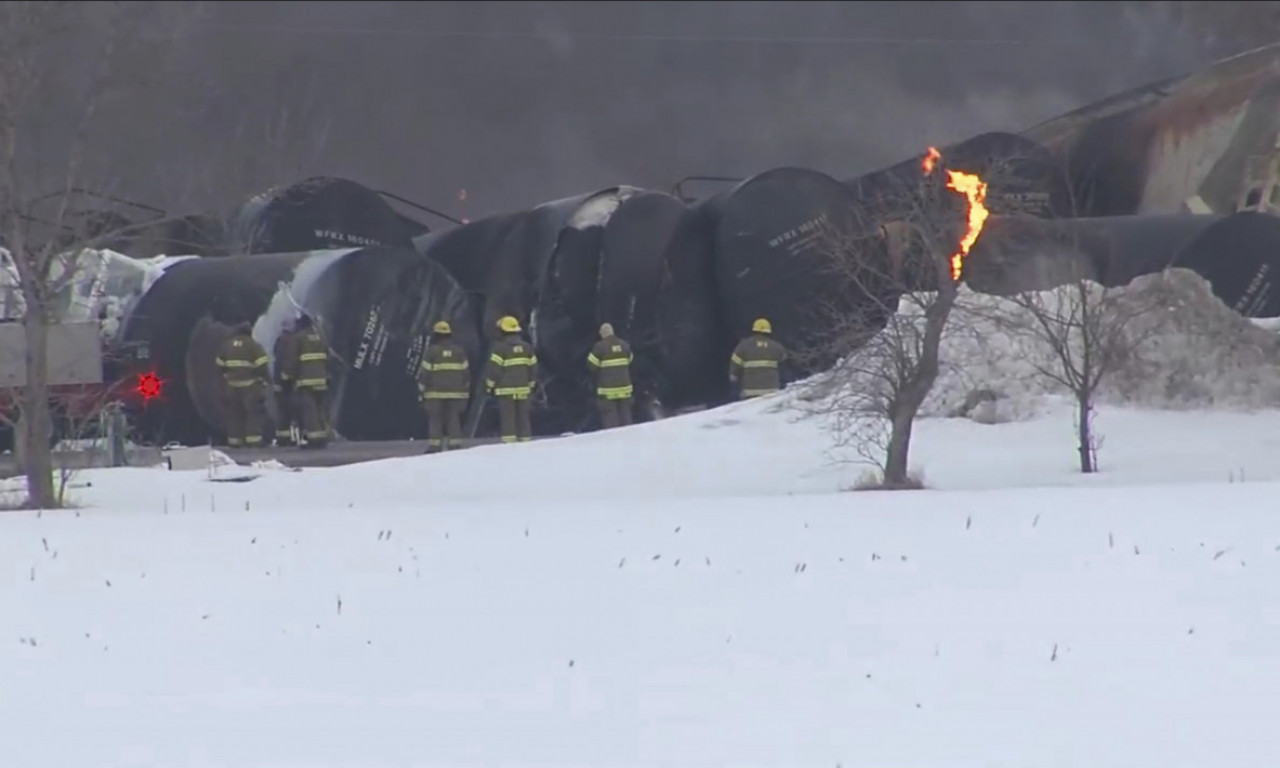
x=1198 y=353
x=463 y=609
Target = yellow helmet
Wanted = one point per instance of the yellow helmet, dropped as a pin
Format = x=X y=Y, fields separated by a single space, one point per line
x=761 y=325
x=508 y=324
x=442 y=327
x=606 y=330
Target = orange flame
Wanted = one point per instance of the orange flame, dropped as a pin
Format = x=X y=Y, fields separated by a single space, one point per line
x=930 y=160
x=975 y=191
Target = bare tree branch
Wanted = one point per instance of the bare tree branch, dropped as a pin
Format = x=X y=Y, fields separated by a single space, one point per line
x=73 y=53
x=898 y=261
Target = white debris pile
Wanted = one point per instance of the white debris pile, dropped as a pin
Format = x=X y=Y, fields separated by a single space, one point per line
x=1195 y=352
x=104 y=288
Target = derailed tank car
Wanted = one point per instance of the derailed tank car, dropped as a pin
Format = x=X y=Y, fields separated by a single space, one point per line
x=318 y=213
x=786 y=243
x=1200 y=143
x=1022 y=177
x=1238 y=254
x=375 y=307
x=606 y=267
x=547 y=267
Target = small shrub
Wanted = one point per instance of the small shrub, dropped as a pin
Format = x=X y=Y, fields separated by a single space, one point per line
x=873 y=480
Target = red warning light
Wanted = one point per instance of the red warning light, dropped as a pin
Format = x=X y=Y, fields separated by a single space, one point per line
x=149 y=386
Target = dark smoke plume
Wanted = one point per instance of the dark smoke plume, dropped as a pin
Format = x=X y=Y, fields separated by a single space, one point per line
x=522 y=102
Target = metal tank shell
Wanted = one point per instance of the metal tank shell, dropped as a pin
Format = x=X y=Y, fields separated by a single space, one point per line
x=1238 y=254
x=606 y=267
x=692 y=347
x=781 y=241
x=316 y=214
x=375 y=307
x=635 y=242
x=224 y=290
x=1188 y=144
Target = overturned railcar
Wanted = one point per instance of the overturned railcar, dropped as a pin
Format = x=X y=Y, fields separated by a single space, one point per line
x=789 y=247
x=562 y=268
x=1237 y=254
x=316 y=214
x=375 y=306
x=606 y=267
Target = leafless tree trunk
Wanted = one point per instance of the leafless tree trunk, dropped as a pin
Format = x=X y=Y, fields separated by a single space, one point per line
x=905 y=257
x=1089 y=332
x=42 y=44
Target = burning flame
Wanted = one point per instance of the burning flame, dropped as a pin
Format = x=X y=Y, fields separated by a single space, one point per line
x=975 y=191
x=930 y=160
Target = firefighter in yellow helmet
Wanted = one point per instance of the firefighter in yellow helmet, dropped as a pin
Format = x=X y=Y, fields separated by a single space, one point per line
x=610 y=364
x=444 y=386
x=510 y=376
x=311 y=383
x=753 y=368
x=245 y=375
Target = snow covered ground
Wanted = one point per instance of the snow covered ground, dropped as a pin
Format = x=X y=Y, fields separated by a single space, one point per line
x=696 y=592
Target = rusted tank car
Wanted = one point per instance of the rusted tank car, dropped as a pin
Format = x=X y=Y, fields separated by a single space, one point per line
x=1201 y=143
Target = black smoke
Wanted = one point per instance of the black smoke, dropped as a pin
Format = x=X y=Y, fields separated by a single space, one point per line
x=522 y=102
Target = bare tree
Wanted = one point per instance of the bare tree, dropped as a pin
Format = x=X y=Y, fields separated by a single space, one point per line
x=1077 y=335
x=84 y=58
x=902 y=258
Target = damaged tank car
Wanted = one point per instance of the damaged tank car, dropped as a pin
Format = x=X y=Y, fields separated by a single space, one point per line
x=561 y=268
x=605 y=268
x=1237 y=254
x=375 y=307
x=319 y=213
x=1022 y=177
x=1200 y=143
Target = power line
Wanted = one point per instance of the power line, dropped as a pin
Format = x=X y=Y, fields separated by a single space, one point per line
x=571 y=37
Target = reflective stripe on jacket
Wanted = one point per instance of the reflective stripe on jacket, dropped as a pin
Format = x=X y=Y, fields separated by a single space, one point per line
x=445 y=373
x=513 y=368
x=312 y=355
x=610 y=362
x=754 y=365
x=242 y=361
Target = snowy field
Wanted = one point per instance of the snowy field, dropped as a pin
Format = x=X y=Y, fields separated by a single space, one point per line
x=695 y=592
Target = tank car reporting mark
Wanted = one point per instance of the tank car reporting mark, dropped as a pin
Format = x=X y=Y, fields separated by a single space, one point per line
x=975 y=191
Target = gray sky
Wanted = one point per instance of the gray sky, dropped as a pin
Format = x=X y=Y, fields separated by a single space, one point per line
x=523 y=102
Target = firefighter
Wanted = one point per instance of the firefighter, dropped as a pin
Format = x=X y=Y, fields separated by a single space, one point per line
x=444 y=385
x=753 y=369
x=511 y=376
x=610 y=364
x=285 y=374
x=311 y=383
x=243 y=363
